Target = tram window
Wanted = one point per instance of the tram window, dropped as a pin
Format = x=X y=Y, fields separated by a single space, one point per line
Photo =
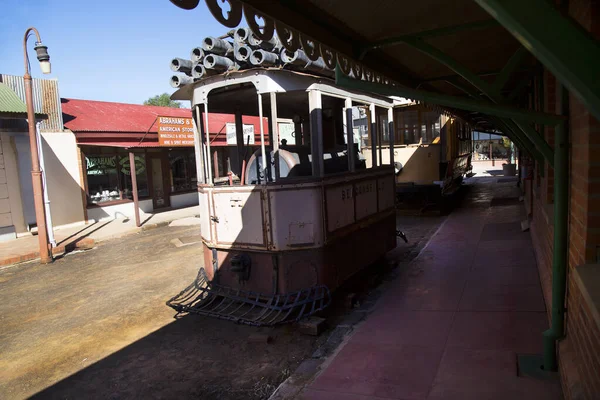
x=417 y=126
x=384 y=129
x=359 y=127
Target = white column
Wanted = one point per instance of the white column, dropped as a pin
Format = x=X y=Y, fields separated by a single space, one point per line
x=392 y=131
x=198 y=147
x=315 y=105
x=262 y=140
x=374 y=162
x=349 y=135
x=207 y=135
x=275 y=132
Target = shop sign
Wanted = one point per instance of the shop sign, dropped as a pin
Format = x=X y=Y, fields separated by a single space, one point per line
x=287 y=133
x=232 y=137
x=175 y=132
x=100 y=165
x=140 y=165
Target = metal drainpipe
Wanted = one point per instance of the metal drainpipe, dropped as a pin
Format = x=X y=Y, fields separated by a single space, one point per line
x=561 y=238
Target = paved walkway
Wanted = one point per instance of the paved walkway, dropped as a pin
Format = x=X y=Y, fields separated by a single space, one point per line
x=452 y=324
x=27 y=248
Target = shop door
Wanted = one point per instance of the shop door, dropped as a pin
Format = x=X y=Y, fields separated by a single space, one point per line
x=160 y=197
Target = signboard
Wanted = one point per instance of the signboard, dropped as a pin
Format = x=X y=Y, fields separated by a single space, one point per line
x=232 y=137
x=286 y=132
x=175 y=132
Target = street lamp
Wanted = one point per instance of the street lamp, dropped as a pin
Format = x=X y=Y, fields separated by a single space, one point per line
x=36 y=174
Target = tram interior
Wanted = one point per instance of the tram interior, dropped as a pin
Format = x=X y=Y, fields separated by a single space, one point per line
x=295 y=152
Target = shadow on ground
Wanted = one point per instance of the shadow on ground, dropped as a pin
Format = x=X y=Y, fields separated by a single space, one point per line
x=190 y=357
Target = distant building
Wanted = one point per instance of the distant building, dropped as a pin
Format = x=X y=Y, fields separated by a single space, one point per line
x=86 y=145
x=17 y=213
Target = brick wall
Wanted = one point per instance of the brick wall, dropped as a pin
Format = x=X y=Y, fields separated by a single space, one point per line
x=580 y=350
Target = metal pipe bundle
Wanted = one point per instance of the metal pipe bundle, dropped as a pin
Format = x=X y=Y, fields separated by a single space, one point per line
x=217 y=46
x=181 y=65
x=218 y=63
x=271 y=44
x=242 y=52
x=297 y=57
x=197 y=54
x=180 y=80
x=241 y=35
x=219 y=54
x=198 y=71
x=318 y=66
x=263 y=58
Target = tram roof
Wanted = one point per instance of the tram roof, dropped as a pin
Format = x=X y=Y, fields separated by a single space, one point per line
x=277 y=80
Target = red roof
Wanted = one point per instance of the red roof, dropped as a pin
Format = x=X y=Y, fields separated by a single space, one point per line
x=103 y=123
x=104 y=116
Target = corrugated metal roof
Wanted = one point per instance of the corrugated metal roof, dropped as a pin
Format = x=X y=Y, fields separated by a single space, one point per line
x=45 y=99
x=102 y=123
x=10 y=102
x=103 y=116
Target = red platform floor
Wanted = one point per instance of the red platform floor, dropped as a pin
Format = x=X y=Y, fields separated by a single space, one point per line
x=452 y=324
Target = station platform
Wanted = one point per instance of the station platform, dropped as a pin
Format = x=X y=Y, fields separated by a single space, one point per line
x=454 y=321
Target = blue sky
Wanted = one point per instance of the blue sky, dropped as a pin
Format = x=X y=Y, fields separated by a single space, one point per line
x=104 y=49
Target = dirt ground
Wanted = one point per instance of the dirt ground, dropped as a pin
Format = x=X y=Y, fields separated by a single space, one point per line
x=95 y=325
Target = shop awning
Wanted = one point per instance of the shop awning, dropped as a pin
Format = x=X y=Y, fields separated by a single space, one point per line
x=121 y=144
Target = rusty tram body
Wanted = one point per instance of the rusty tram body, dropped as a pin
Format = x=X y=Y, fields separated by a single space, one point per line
x=292 y=211
x=279 y=236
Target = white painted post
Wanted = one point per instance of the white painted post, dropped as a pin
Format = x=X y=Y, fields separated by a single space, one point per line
x=207 y=135
x=373 y=136
x=349 y=135
x=262 y=140
x=392 y=133
x=198 y=148
x=315 y=105
x=275 y=133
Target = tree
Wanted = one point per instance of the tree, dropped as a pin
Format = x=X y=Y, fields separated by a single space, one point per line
x=507 y=143
x=162 y=100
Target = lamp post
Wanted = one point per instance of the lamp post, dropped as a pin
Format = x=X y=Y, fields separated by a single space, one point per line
x=36 y=174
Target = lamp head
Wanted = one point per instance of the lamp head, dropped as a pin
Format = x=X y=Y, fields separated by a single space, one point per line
x=43 y=57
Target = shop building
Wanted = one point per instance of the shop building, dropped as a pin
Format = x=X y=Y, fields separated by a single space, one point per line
x=56 y=146
x=106 y=134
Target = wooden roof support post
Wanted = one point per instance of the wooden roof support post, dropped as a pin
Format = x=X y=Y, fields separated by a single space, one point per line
x=134 y=188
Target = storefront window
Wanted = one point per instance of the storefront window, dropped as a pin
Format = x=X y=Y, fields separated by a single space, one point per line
x=141 y=175
x=102 y=177
x=183 y=171
x=109 y=177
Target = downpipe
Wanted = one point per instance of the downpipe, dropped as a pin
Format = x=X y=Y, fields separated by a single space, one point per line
x=49 y=225
x=561 y=235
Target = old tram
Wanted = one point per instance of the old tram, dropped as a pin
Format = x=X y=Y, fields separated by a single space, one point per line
x=279 y=235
